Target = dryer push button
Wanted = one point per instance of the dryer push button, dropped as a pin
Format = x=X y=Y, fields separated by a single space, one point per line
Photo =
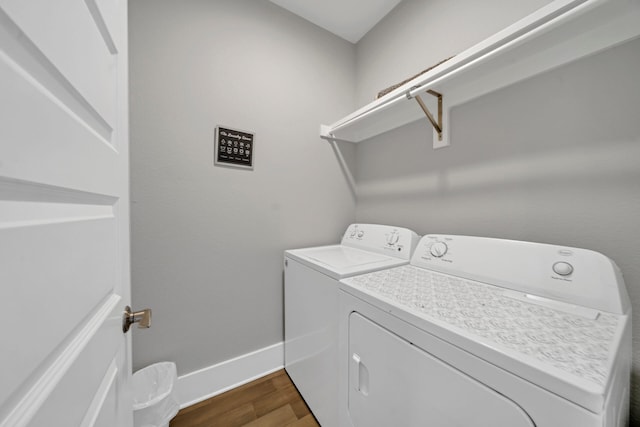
x=563 y=268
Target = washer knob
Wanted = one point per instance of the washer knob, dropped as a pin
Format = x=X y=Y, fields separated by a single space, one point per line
x=393 y=238
x=360 y=233
x=563 y=268
x=438 y=249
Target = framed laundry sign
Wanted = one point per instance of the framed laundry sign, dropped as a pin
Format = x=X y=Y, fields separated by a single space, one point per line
x=234 y=148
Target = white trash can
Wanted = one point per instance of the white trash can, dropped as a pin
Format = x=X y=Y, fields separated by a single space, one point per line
x=154 y=398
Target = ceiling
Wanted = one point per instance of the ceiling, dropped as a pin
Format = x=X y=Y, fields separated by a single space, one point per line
x=349 y=19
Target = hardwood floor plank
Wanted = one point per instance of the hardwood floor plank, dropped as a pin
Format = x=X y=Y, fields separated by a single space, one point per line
x=222 y=403
x=278 y=418
x=308 y=421
x=269 y=401
x=237 y=390
x=300 y=408
x=236 y=417
x=281 y=380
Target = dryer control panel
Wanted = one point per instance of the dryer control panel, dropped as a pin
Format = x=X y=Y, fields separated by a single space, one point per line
x=571 y=275
x=398 y=242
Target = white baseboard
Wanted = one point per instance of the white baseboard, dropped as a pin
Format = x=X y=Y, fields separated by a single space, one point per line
x=200 y=385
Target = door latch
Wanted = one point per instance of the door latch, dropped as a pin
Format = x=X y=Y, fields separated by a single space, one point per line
x=142 y=318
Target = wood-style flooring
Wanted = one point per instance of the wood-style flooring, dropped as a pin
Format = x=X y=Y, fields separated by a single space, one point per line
x=270 y=401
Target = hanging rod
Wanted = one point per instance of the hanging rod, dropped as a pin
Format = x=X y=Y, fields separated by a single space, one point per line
x=437 y=125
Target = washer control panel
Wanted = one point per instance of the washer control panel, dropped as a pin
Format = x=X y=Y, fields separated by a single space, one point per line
x=393 y=241
x=436 y=249
x=575 y=276
x=439 y=249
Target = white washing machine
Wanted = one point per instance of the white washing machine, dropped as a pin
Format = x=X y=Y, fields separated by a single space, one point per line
x=486 y=333
x=311 y=305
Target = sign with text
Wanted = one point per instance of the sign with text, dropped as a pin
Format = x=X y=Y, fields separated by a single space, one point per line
x=234 y=148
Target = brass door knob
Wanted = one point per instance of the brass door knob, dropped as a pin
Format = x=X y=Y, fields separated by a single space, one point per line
x=142 y=318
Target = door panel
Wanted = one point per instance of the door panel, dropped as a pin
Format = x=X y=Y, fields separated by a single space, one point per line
x=104 y=403
x=93 y=363
x=82 y=275
x=393 y=382
x=64 y=213
x=64 y=31
x=32 y=115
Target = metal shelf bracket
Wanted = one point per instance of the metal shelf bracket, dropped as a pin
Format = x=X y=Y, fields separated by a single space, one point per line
x=437 y=125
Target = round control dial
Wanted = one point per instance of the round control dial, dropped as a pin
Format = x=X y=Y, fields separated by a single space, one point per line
x=563 y=268
x=393 y=238
x=438 y=249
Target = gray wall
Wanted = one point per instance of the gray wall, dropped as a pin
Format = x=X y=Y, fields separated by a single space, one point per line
x=418 y=34
x=208 y=241
x=554 y=159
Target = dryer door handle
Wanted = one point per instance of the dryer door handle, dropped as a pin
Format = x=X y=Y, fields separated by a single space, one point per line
x=362 y=375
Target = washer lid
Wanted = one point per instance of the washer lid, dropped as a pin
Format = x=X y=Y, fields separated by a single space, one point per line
x=339 y=261
x=343 y=257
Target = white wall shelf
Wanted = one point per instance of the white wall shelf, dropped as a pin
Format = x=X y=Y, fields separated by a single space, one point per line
x=559 y=33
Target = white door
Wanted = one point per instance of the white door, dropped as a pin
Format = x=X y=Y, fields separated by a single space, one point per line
x=64 y=215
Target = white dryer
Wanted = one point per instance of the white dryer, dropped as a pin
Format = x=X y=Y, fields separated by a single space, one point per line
x=311 y=305
x=486 y=333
